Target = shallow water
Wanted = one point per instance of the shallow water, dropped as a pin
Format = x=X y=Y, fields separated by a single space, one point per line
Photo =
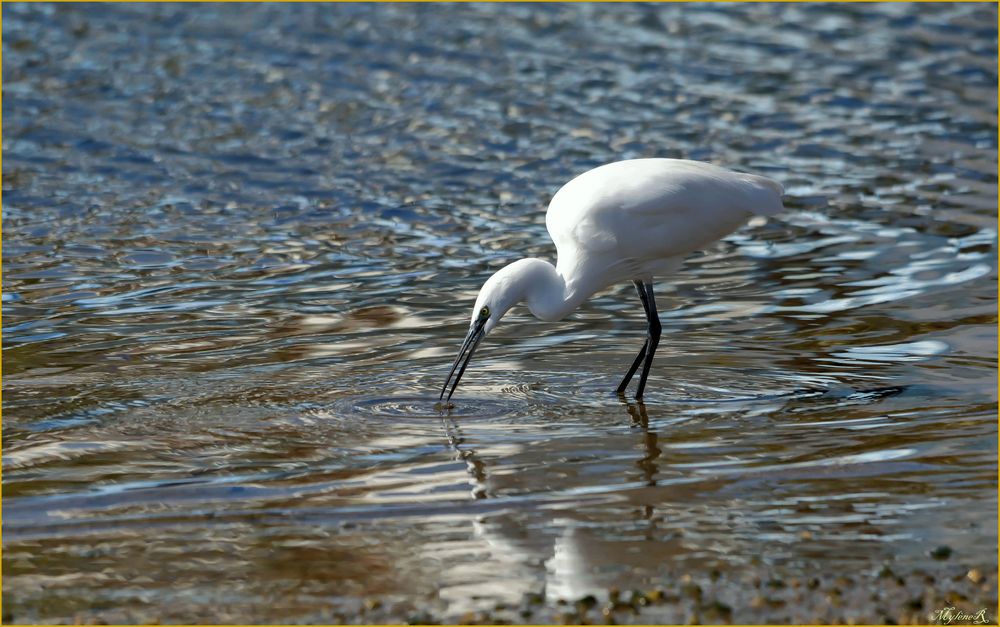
x=241 y=245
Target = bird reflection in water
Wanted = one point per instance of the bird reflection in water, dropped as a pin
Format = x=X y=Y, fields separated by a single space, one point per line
x=577 y=560
x=640 y=419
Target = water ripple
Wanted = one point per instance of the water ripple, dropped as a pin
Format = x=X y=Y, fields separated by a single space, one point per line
x=236 y=270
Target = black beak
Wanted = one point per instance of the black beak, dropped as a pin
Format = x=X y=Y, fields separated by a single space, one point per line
x=472 y=340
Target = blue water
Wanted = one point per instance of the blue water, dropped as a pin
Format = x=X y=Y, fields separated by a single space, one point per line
x=241 y=244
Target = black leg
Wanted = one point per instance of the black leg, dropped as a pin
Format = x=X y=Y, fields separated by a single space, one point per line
x=652 y=339
x=640 y=288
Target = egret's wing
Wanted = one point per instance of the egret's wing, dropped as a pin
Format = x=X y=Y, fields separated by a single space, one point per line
x=591 y=235
x=576 y=230
x=655 y=207
x=674 y=216
x=667 y=186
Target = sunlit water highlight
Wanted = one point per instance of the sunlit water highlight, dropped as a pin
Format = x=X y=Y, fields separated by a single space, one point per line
x=236 y=270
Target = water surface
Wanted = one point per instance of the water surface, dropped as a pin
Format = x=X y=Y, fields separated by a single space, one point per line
x=241 y=245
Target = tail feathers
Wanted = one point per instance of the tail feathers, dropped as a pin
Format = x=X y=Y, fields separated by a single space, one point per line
x=766 y=182
x=772 y=204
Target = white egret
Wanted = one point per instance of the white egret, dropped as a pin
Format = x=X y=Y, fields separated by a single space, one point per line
x=628 y=220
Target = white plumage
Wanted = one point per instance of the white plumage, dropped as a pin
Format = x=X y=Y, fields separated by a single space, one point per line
x=628 y=220
x=637 y=219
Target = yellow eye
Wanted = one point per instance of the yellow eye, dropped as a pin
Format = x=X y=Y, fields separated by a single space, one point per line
x=484 y=312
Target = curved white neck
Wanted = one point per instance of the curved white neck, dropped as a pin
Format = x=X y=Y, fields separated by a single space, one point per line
x=546 y=292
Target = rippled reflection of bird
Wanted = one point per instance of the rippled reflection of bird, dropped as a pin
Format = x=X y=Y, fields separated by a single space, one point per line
x=629 y=220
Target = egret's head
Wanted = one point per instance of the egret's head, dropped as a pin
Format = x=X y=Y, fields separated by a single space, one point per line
x=502 y=291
